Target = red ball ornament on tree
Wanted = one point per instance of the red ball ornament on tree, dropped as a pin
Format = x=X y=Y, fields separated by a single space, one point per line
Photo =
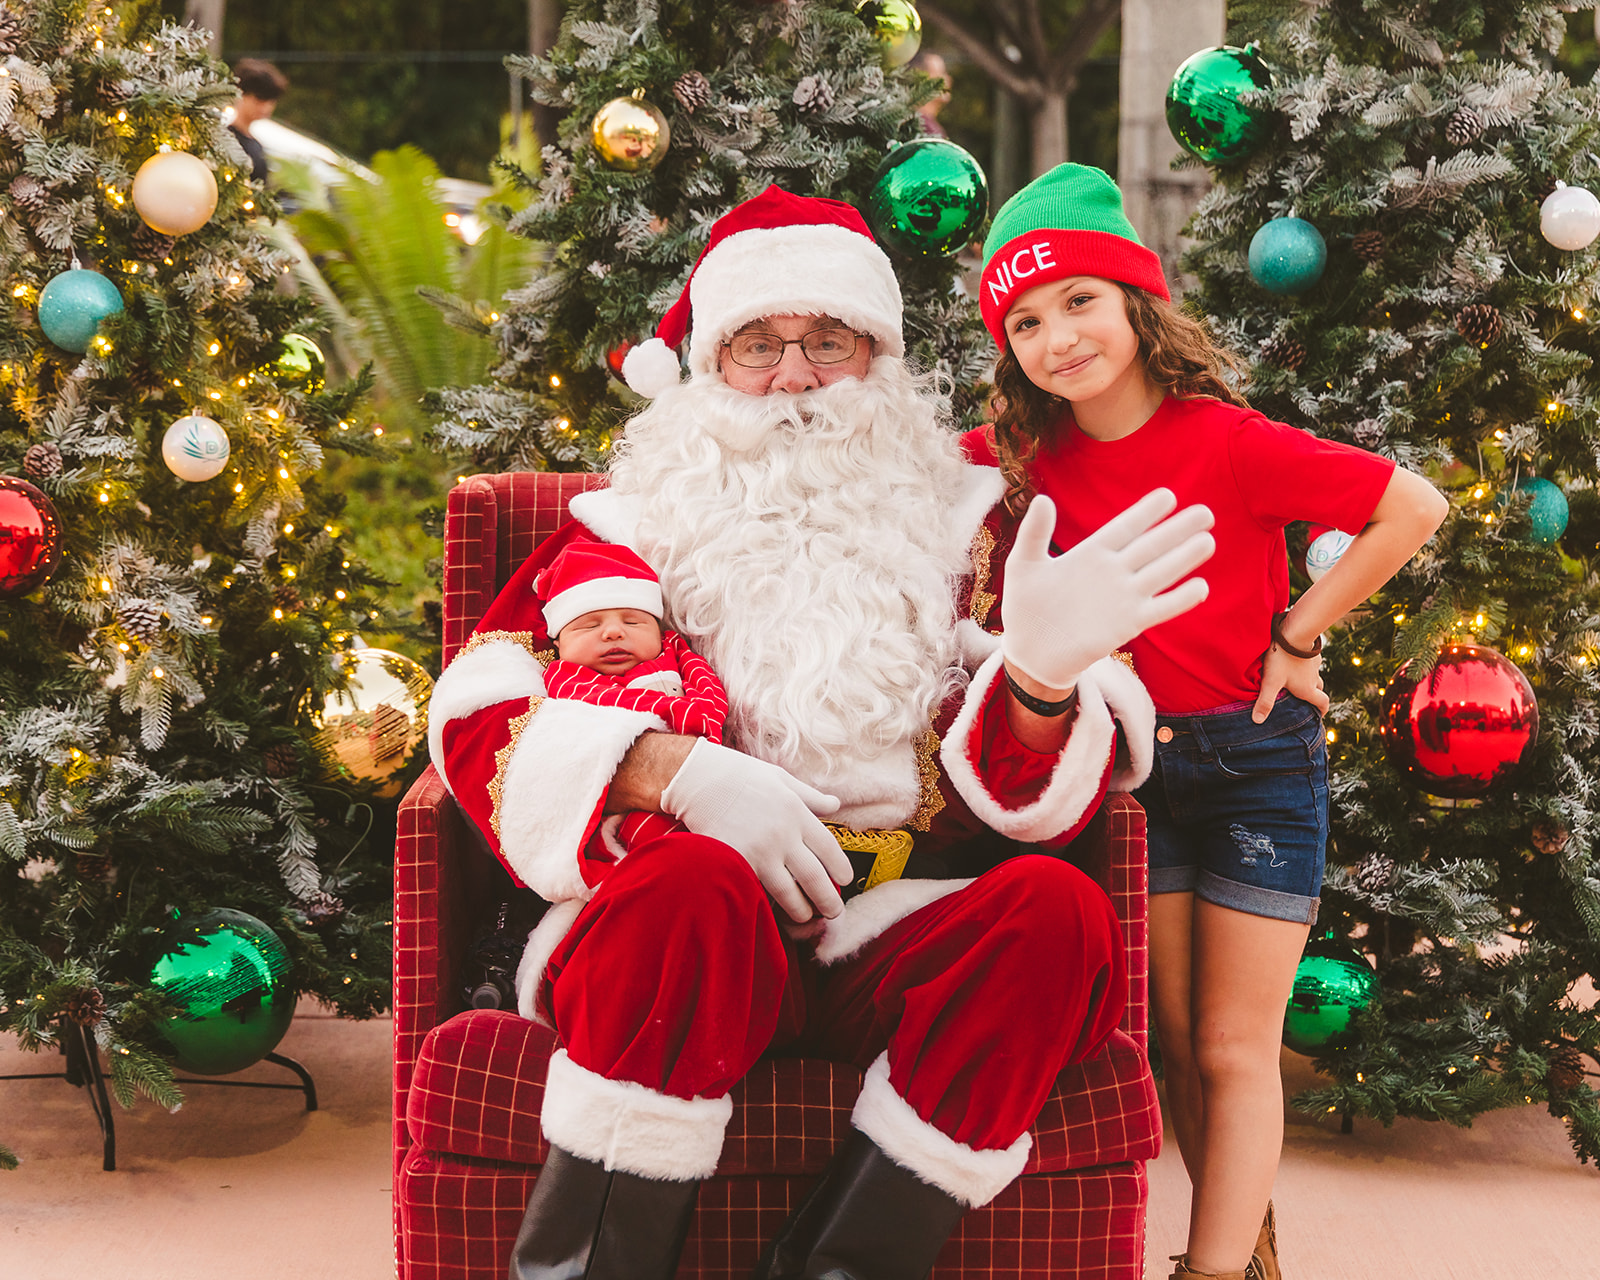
x=615 y=357
x=30 y=537
x=1467 y=725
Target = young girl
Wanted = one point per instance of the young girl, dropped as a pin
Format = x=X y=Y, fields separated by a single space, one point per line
x=1107 y=393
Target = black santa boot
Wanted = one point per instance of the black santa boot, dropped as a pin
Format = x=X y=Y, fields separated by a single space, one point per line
x=868 y=1218
x=583 y=1221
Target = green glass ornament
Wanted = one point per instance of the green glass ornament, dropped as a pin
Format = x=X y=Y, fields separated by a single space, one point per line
x=228 y=975
x=928 y=198
x=897 y=26
x=1332 y=984
x=1203 y=107
x=72 y=305
x=301 y=360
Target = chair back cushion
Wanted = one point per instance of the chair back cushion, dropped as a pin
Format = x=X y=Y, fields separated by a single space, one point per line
x=492 y=524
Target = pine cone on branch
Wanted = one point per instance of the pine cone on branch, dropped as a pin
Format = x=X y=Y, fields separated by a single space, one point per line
x=280 y=760
x=141 y=619
x=85 y=1007
x=1375 y=873
x=813 y=96
x=10 y=31
x=1368 y=246
x=288 y=599
x=322 y=908
x=150 y=243
x=692 y=90
x=42 y=460
x=1480 y=323
x=1285 y=352
x=1566 y=1069
x=29 y=192
x=1550 y=837
x=1464 y=127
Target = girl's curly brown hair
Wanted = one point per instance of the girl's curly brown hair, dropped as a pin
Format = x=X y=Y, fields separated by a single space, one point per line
x=1178 y=354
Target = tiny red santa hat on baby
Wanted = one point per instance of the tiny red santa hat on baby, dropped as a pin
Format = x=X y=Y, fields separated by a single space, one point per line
x=595 y=575
x=776 y=254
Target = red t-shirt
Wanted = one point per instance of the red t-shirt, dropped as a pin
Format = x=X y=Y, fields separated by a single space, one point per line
x=1256 y=475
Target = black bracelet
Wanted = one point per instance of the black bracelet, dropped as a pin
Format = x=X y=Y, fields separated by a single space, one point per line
x=1039 y=706
x=1277 y=639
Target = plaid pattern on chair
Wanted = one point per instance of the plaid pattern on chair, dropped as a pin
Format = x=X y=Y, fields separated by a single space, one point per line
x=468 y=1085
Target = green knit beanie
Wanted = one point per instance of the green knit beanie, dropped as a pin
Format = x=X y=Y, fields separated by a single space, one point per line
x=1069 y=222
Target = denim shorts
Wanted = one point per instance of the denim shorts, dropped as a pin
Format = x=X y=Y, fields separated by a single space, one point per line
x=1238 y=811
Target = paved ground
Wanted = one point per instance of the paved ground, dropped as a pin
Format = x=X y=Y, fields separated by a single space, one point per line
x=244 y=1184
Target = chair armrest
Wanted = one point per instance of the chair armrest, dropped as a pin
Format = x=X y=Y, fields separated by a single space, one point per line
x=1111 y=850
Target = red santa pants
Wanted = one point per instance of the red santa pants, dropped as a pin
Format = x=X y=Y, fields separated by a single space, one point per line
x=676 y=977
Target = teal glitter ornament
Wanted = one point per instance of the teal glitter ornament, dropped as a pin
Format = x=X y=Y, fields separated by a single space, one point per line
x=1332 y=983
x=1547 y=510
x=1287 y=256
x=1203 y=107
x=227 y=974
x=928 y=199
x=72 y=306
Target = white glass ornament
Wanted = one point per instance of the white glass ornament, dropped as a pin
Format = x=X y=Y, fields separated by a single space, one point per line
x=1569 y=218
x=175 y=192
x=1325 y=550
x=195 y=448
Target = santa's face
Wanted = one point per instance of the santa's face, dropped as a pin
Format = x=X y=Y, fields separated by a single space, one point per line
x=806 y=550
x=812 y=352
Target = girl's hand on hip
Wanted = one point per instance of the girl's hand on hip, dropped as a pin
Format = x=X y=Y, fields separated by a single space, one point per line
x=1300 y=676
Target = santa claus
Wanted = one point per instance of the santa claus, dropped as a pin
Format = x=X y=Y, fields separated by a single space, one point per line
x=821 y=540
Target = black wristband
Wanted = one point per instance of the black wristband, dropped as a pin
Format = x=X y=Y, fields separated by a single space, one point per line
x=1039 y=706
x=1277 y=639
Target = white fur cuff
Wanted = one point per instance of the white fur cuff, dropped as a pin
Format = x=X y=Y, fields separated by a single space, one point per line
x=868 y=915
x=972 y=1176
x=492 y=673
x=541 y=945
x=628 y=1128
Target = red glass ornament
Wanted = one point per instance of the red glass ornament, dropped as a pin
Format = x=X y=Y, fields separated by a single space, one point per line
x=30 y=537
x=1467 y=725
x=615 y=357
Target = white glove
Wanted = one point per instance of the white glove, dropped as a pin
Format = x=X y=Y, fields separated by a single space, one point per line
x=1063 y=613
x=770 y=818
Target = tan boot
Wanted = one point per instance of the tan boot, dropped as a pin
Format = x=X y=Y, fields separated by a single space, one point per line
x=1266 y=1252
x=1182 y=1269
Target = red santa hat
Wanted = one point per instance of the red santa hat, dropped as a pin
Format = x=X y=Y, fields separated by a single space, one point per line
x=776 y=254
x=593 y=576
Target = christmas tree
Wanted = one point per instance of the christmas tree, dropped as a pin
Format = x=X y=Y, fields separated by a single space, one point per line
x=1422 y=151
x=174 y=583
x=716 y=102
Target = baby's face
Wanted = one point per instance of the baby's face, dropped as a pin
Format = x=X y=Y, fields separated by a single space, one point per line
x=613 y=641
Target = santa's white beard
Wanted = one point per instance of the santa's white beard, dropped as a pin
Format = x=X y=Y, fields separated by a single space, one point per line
x=805 y=549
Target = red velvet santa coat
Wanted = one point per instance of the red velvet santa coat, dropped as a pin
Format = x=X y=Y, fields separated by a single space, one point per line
x=533 y=771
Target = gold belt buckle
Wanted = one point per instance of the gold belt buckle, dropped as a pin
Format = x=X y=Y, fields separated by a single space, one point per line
x=890 y=850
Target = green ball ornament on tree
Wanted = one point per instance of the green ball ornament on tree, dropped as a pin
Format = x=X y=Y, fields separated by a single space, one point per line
x=1203 y=107
x=1287 y=256
x=1332 y=984
x=72 y=306
x=1547 y=509
x=896 y=25
x=928 y=199
x=301 y=360
x=227 y=974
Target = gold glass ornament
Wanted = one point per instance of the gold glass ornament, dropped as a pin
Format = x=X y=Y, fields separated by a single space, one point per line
x=631 y=134
x=368 y=729
x=175 y=192
x=897 y=26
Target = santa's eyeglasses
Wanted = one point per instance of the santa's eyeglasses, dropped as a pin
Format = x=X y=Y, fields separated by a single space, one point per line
x=756 y=350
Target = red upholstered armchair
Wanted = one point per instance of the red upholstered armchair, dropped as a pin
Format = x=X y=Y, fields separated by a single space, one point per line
x=468 y=1085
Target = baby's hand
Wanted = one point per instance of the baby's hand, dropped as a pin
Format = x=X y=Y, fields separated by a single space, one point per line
x=1300 y=676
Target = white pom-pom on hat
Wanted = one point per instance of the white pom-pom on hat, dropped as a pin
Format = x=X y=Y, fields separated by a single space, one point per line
x=650 y=368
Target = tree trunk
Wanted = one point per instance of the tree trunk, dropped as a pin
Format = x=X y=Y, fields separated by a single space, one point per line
x=544 y=26
x=1049 y=132
x=1157 y=35
x=209 y=14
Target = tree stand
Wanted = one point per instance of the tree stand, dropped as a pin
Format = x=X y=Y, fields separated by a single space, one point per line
x=83 y=1070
